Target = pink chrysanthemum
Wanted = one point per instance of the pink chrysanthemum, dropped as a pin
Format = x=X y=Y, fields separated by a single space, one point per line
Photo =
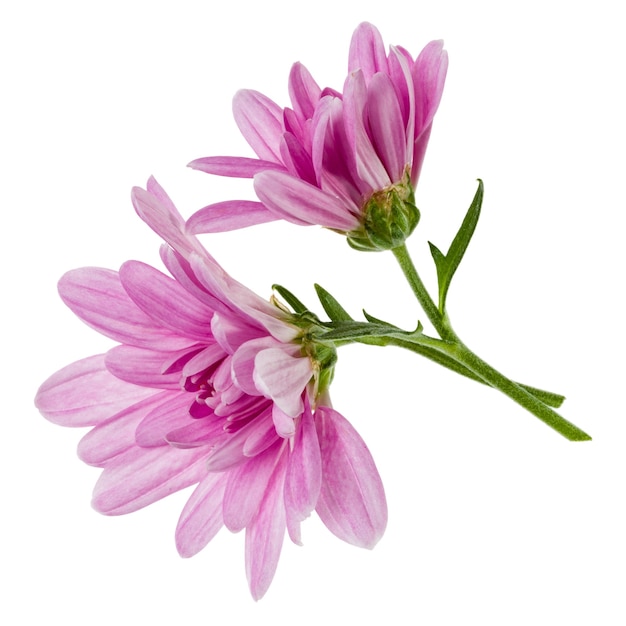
x=212 y=386
x=334 y=158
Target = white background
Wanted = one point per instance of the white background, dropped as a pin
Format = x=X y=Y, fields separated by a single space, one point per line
x=494 y=519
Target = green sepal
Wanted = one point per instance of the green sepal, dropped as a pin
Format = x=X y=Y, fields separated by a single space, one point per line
x=290 y=299
x=330 y=305
x=447 y=264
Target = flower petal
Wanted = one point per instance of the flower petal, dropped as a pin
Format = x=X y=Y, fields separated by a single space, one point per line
x=303 y=91
x=282 y=377
x=302 y=203
x=117 y=434
x=259 y=120
x=264 y=536
x=228 y=215
x=367 y=51
x=171 y=413
x=142 y=476
x=352 y=501
x=166 y=301
x=237 y=167
x=201 y=519
x=142 y=367
x=85 y=393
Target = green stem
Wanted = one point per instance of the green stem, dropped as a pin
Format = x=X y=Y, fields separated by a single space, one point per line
x=451 y=346
x=548 y=397
x=464 y=355
x=423 y=297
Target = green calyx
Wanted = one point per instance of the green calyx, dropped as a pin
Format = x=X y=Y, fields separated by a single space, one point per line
x=389 y=217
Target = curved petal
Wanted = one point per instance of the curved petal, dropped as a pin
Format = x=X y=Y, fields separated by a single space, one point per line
x=303 y=481
x=301 y=203
x=167 y=302
x=236 y=167
x=367 y=51
x=386 y=126
x=171 y=413
x=156 y=209
x=264 y=535
x=142 y=476
x=201 y=519
x=303 y=91
x=260 y=121
x=282 y=377
x=117 y=434
x=142 y=367
x=352 y=501
x=85 y=393
x=429 y=76
x=229 y=215
x=98 y=298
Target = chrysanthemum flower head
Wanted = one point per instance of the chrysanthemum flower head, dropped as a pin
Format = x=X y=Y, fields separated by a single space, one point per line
x=211 y=386
x=348 y=161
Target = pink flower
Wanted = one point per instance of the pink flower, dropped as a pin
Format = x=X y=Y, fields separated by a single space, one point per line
x=210 y=386
x=343 y=161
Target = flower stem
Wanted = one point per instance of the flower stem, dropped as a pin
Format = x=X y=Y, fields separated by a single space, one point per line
x=451 y=346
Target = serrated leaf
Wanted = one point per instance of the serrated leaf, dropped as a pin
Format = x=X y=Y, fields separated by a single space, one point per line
x=330 y=305
x=447 y=264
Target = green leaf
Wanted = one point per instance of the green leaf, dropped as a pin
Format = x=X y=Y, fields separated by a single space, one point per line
x=447 y=264
x=356 y=331
x=333 y=309
x=290 y=299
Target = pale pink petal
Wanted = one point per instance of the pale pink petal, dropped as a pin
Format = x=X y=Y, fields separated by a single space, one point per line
x=261 y=435
x=230 y=331
x=259 y=120
x=282 y=377
x=302 y=203
x=264 y=536
x=196 y=433
x=370 y=170
x=166 y=301
x=400 y=64
x=85 y=393
x=96 y=296
x=284 y=424
x=352 y=501
x=429 y=76
x=164 y=219
x=172 y=413
x=367 y=51
x=142 y=476
x=246 y=488
x=142 y=367
x=303 y=91
x=237 y=167
x=201 y=519
x=304 y=472
x=243 y=363
x=386 y=126
x=228 y=215
x=117 y=434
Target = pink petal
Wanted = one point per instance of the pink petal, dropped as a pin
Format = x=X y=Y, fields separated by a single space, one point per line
x=352 y=501
x=243 y=363
x=228 y=215
x=246 y=488
x=98 y=298
x=259 y=120
x=303 y=91
x=301 y=203
x=117 y=434
x=157 y=210
x=282 y=377
x=429 y=76
x=166 y=301
x=170 y=414
x=367 y=51
x=386 y=126
x=201 y=518
x=142 y=367
x=86 y=393
x=237 y=167
x=304 y=472
x=284 y=424
x=264 y=536
x=142 y=476
x=196 y=433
